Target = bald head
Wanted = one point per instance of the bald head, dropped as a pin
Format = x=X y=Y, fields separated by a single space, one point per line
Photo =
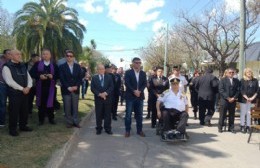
x=16 y=56
x=100 y=69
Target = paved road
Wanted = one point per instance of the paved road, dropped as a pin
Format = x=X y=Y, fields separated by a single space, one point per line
x=206 y=148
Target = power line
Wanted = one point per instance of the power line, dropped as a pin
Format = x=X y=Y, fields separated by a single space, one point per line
x=196 y=3
x=121 y=50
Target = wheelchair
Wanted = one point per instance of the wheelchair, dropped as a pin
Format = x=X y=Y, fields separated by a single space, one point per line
x=170 y=135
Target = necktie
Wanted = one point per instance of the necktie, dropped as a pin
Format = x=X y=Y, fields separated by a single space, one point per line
x=102 y=80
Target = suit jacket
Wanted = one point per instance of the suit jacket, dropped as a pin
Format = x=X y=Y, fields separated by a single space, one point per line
x=69 y=79
x=227 y=90
x=108 y=87
x=117 y=84
x=207 y=86
x=158 y=86
x=131 y=84
x=248 y=88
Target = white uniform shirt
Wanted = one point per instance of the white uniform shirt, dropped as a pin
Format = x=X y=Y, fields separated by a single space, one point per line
x=170 y=100
x=182 y=83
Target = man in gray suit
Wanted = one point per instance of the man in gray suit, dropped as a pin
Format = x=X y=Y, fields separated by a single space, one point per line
x=102 y=87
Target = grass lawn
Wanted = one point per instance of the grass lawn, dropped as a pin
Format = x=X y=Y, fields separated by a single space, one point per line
x=34 y=149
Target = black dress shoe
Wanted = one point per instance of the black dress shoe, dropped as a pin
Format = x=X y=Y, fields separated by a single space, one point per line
x=109 y=132
x=77 y=125
x=26 y=129
x=220 y=130
x=98 y=132
x=153 y=126
x=232 y=131
x=13 y=133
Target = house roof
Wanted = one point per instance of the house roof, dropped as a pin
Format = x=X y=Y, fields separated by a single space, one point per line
x=252 y=53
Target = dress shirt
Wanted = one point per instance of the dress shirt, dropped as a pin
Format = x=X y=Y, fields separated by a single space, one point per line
x=10 y=81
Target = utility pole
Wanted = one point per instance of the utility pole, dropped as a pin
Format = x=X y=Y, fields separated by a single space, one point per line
x=165 y=52
x=242 y=37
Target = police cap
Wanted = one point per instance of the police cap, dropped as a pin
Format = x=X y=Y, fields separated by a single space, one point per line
x=175 y=80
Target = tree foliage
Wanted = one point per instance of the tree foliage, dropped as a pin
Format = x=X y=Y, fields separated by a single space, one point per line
x=6 y=27
x=92 y=57
x=48 y=24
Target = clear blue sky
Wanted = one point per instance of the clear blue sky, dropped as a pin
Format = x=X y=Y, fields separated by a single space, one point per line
x=126 y=24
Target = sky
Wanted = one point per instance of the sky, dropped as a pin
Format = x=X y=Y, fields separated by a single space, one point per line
x=121 y=27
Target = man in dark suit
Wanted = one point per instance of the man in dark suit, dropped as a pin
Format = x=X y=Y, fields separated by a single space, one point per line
x=70 y=78
x=102 y=87
x=135 y=82
x=206 y=87
x=117 y=86
x=158 y=84
x=229 y=91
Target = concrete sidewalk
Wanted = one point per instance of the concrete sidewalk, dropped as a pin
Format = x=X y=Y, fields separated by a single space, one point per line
x=206 y=148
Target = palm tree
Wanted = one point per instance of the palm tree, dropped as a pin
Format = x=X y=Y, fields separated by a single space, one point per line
x=48 y=24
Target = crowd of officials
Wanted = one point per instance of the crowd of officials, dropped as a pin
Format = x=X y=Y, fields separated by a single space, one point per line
x=22 y=82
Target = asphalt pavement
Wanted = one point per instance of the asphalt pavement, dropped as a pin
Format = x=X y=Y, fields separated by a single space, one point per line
x=206 y=148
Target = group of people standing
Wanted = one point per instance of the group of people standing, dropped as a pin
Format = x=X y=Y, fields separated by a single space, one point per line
x=209 y=92
x=21 y=82
x=38 y=77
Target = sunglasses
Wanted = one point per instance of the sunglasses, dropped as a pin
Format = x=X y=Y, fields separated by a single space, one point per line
x=231 y=72
x=71 y=56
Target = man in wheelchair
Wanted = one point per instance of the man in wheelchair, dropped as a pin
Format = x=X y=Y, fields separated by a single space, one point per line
x=175 y=109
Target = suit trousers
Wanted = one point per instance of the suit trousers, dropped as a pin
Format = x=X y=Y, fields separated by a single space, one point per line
x=205 y=105
x=18 y=106
x=71 y=103
x=224 y=107
x=115 y=104
x=103 y=111
x=153 y=109
x=3 y=98
x=170 y=117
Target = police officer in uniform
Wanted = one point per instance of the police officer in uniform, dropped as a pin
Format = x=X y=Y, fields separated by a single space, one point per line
x=158 y=84
x=175 y=108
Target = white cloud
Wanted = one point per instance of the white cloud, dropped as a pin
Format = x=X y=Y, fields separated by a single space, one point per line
x=158 y=25
x=90 y=7
x=131 y=14
x=83 y=21
x=232 y=5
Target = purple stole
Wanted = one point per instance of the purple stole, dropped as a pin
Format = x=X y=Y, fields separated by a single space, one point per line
x=39 y=86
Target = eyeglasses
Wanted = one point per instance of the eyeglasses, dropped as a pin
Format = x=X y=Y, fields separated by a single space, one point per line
x=137 y=62
x=231 y=72
x=71 y=56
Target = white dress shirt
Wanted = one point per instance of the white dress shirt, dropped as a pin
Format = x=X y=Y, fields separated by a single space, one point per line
x=10 y=81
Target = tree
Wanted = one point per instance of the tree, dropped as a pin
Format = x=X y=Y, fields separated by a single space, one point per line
x=93 y=57
x=154 y=53
x=217 y=33
x=48 y=24
x=6 y=27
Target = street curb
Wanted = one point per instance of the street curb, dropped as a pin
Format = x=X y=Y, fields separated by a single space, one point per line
x=58 y=157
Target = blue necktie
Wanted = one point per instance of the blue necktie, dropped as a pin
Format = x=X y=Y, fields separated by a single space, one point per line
x=102 y=80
